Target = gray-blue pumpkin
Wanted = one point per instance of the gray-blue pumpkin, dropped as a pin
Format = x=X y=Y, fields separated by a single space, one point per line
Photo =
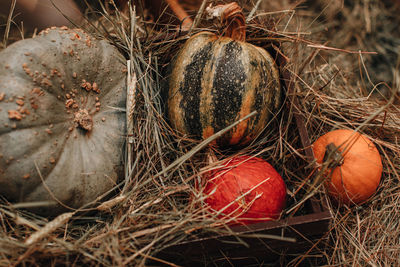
x=61 y=128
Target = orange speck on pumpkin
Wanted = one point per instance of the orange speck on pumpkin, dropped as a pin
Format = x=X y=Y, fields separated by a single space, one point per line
x=19 y=102
x=14 y=115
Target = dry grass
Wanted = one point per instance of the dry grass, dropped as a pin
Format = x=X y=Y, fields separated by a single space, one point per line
x=152 y=207
x=357 y=91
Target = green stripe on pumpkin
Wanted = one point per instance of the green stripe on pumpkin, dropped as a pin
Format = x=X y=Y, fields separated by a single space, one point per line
x=217 y=81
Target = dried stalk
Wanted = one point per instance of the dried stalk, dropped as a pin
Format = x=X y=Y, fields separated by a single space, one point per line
x=50 y=227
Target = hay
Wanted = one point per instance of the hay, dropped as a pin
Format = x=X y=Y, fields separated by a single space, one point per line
x=152 y=207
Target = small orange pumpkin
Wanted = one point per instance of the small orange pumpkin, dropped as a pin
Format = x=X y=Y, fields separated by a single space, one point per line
x=355 y=166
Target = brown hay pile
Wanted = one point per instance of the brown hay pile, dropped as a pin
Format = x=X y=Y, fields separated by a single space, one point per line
x=337 y=87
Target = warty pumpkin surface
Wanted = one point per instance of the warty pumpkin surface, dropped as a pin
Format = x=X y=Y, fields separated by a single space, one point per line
x=216 y=81
x=356 y=166
x=61 y=128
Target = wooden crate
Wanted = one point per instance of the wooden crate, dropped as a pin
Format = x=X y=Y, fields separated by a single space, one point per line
x=307 y=230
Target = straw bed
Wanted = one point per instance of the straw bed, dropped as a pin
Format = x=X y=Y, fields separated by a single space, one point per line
x=152 y=205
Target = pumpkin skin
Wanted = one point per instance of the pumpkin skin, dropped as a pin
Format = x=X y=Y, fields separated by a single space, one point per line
x=61 y=93
x=216 y=81
x=359 y=175
x=241 y=174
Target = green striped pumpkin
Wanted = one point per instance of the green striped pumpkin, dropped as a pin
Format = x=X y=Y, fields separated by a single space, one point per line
x=216 y=81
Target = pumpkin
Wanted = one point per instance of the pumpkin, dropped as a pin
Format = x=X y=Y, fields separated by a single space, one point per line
x=217 y=80
x=354 y=165
x=247 y=189
x=61 y=125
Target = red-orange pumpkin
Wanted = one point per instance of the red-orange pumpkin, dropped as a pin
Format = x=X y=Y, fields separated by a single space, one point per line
x=246 y=190
x=356 y=169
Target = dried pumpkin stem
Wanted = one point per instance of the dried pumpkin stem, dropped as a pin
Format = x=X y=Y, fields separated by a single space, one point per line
x=333 y=155
x=180 y=13
x=83 y=120
x=232 y=19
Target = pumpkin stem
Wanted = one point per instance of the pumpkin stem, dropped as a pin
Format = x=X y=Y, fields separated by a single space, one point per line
x=232 y=18
x=180 y=14
x=211 y=157
x=333 y=155
x=83 y=120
